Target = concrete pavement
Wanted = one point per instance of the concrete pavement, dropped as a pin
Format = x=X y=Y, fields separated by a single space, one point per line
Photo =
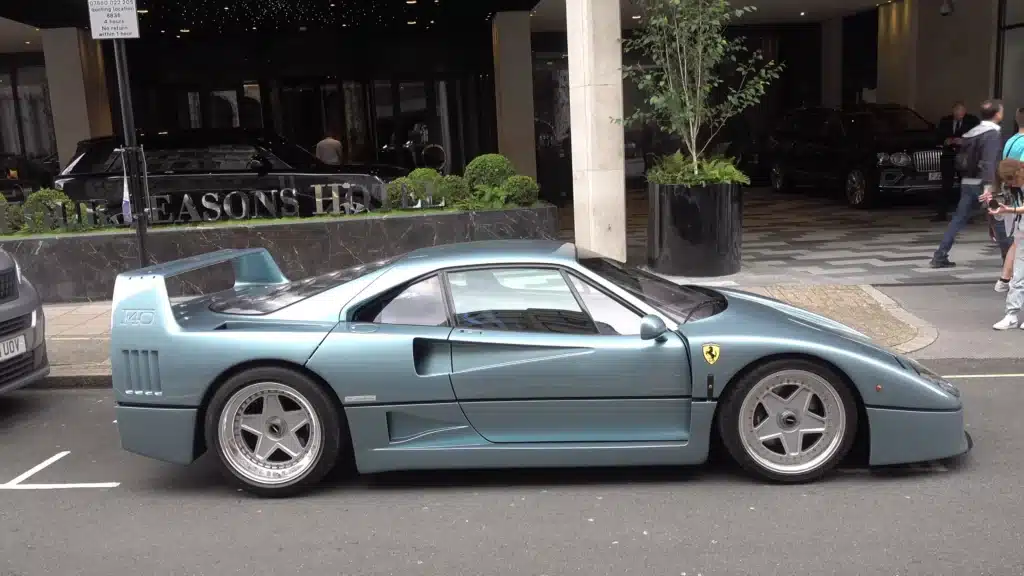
x=954 y=517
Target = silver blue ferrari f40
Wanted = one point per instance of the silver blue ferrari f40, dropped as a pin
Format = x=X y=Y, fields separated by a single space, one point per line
x=497 y=355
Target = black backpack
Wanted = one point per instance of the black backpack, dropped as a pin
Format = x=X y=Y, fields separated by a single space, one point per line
x=968 y=157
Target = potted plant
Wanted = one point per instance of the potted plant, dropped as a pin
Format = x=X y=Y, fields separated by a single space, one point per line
x=694 y=79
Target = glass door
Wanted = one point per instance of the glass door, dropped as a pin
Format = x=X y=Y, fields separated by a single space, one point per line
x=413 y=123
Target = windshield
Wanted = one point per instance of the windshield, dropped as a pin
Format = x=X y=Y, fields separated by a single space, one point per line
x=885 y=121
x=677 y=302
x=278 y=297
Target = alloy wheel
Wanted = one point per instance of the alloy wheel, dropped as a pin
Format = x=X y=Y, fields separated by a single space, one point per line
x=270 y=434
x=792 y=422
x=856 y=188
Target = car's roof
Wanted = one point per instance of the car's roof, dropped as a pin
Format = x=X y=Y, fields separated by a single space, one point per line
x=205 y=136
x=494 y=251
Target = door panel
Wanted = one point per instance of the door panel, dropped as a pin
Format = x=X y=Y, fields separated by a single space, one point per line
x=386 y=364
x=540 y=387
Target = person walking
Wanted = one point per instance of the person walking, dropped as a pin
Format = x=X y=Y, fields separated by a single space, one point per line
x=1011 y=174
x=1014 y=150
x=977 y=159
x=950 y=132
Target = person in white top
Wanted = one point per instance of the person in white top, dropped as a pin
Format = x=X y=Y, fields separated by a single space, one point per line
x=329 y=150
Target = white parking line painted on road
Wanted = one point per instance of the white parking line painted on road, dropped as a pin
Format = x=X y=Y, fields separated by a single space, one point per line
x=16 y=484
x=981 y=376
x=38 y=468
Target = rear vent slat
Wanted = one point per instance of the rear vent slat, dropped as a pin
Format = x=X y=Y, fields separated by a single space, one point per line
x=142 y=372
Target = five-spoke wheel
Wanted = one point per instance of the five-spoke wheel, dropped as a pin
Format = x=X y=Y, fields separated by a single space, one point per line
x=274 y=430
x=789 y=420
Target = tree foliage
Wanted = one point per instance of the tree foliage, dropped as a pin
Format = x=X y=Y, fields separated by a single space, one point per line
x=695 y=78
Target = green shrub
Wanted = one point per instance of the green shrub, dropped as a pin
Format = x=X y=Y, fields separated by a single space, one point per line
x=522 y=190
x=42 y=213
x=485 y=198
x=12 y=218
x=679 y=170
x=411 y=187
x=454 y=189
x=427 y=181
x=489 y=170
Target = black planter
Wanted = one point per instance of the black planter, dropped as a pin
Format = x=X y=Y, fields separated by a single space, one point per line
x=695 y=231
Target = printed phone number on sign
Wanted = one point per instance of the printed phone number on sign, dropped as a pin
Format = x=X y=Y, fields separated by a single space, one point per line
x=108 y=4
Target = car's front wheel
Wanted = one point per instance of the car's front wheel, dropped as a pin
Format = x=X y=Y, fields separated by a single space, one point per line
x=789 y=421
x=276 y=432
x=859 y=189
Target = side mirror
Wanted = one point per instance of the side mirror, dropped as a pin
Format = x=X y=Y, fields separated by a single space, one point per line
x=652 y=327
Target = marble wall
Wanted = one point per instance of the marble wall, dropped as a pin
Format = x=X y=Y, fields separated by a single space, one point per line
x=82 y=267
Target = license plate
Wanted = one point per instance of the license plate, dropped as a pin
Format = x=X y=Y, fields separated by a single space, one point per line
x=935 y=176
x=12 y=347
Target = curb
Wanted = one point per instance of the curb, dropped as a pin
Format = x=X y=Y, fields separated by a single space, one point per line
x=64 y=377
x=926 y=333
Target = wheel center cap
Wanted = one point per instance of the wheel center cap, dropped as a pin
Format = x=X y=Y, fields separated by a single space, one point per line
x=275 y=428
x=788 y=420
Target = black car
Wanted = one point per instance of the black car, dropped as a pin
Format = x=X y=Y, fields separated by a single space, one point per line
x=868 y=152
x=216 y=174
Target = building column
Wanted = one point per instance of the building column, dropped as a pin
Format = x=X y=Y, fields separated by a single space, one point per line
x=77 y=82
x=897 y=53
x=513 y=89
x=594 y=31
x=832 y=63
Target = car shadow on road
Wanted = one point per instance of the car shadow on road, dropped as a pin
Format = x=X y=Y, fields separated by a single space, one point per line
x=19 y=409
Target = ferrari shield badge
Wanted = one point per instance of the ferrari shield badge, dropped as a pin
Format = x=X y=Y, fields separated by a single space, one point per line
x=711 y=353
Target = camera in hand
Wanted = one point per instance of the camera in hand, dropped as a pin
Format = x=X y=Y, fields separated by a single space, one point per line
x=998 y=199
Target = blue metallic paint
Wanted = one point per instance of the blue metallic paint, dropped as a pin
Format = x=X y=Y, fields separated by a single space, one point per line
x=528 y=400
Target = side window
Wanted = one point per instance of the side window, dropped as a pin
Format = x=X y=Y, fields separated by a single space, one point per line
x=229 y=158
x=421 y=304
x=610 y=317
x=517 y=300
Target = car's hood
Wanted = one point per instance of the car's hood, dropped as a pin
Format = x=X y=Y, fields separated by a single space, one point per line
x=385 y=172
x=904 y=141
x=816 y=320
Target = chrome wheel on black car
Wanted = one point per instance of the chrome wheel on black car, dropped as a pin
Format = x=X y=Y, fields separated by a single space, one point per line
x=778 y=178
x=859 y=192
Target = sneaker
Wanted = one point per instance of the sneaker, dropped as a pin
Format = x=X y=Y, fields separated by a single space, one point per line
x=1010 y=321
x=1002 y=285
x=941 y=263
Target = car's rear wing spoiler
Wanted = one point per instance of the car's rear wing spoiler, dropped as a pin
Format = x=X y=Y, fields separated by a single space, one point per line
x=140 y=296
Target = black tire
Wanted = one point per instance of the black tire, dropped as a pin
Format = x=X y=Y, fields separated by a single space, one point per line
x=779 y=179
x=334 y=429
x=869 y=198
x=730 y=407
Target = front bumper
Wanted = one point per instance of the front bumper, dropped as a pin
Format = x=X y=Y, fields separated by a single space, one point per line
x=911 y=436
x=907 y=180
x=23 y=316
x=167 y=434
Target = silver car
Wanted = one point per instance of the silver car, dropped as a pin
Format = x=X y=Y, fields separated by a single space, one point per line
x=22 y=329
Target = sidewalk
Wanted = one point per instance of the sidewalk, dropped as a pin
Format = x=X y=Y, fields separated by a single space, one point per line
x=78 y=335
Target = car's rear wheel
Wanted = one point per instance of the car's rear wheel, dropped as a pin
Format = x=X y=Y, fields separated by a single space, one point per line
x=779 y=179
x=789 y=421
x=276 y=432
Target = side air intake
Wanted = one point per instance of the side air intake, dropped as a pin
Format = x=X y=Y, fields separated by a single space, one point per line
x=141 y=372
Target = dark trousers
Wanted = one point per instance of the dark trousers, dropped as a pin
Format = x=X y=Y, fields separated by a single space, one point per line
x=944 y=200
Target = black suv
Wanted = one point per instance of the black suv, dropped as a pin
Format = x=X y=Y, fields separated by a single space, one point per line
x=215 y=174
x=867 y=151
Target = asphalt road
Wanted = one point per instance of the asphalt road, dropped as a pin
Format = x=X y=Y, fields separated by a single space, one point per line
x=960 y=517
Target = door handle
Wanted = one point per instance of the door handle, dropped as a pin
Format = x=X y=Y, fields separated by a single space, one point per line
x=468 y=331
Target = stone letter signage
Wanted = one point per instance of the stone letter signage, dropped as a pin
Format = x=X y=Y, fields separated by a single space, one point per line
x=112 y=19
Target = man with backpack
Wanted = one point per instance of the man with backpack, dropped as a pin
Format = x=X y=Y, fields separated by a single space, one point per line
x=976 y=161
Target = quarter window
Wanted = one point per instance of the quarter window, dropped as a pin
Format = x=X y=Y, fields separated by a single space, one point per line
x=609 y=316
x=517 y=300
x=421 y=304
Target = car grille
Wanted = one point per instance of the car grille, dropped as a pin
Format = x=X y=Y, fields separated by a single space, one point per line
x=927 y=160
x=15 y=325
x=15 y=368
x=8 y=285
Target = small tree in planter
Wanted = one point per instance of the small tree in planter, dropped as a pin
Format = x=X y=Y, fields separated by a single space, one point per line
x=695 y=221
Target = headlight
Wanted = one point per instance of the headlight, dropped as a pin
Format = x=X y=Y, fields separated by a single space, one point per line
x=900 y=159
x=883 y=158
x=932 y=377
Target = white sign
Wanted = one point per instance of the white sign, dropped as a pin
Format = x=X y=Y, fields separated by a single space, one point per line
x=111 y=19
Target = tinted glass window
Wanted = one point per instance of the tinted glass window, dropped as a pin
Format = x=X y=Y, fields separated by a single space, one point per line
x=226 y=158
x=519 y=300
x=287 y=156
x=421 y=304
x=609 y=316
x=680 y=303
x=95 y=159
x=885 y=121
